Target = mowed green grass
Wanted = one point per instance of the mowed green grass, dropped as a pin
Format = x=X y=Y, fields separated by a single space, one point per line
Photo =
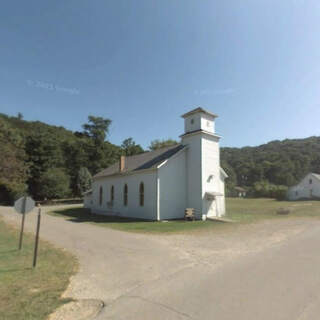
x=239 y=210
x=254 y=210
x=27 y=293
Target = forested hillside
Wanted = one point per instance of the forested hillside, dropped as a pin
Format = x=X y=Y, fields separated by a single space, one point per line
x=52 y=162
x=277 y=162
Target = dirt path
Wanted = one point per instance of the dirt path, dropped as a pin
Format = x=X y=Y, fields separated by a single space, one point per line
x=115 y=266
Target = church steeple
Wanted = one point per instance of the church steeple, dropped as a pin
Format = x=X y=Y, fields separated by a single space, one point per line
x=199 y=119
x=203 y=172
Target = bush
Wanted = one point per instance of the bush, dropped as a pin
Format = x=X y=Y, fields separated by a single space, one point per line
x=10 y=193
x=54 y=184
x=265 y=189
x=84 y=180
x=281 y=192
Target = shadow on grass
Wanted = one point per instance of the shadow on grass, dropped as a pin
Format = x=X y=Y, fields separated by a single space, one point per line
x=79 y=215
x=84 y=215
x=16 y=270
x=8 y=251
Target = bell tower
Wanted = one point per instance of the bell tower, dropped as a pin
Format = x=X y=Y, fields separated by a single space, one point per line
x=199 y=120
x=203 y=158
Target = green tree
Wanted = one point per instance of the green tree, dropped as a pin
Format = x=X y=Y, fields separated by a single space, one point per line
x=76 y=155
x=264 y=189
x=98 y=149
x=158 y=144
x=84 y=180
x=54 y=184
x=43 y=153
x=97 y=128
x=13 y=169
x=231 y=181
x=130 y=148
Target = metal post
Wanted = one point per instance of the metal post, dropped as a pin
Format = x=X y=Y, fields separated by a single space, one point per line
x=22 y=224
x=37 y=238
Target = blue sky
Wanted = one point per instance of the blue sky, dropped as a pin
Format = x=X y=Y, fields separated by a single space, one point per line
x=143 y=63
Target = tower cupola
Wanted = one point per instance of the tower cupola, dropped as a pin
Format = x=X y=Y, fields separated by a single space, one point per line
x=199 y=119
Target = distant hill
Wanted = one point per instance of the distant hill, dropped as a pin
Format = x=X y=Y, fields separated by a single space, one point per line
x=278 y=162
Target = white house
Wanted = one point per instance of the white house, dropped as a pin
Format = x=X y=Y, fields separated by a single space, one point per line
x=308 y=188
x=161 y=184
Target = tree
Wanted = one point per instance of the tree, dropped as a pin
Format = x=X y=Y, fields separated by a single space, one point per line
x=130 y=148
x=231 y=181
x=13 y=169
x=84 y=180
x=76 y=155
x=264 y=189
x=20 y=116
x=43 y=153
x=97 y=128
x=54 y=184
x=158 y=144
x=31 y=148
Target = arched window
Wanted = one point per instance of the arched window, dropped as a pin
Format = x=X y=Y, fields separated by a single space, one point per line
x=112 y=194
x=125 y=195
x=100 y=196
x=141 y=194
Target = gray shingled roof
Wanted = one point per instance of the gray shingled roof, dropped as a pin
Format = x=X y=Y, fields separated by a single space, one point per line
x=316 y=175
x=197 y=110
x=142 y=161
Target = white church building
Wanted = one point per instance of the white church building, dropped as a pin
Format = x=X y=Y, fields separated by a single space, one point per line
x=161 y=184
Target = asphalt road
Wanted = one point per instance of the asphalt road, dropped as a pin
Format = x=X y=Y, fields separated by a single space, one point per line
x=265 y=271
x=277 y=283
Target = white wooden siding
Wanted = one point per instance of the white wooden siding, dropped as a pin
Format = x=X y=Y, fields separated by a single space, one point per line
x=193 y=171
x=133 y=209
x=173 y=188
x=305 y=190
x=212 y=181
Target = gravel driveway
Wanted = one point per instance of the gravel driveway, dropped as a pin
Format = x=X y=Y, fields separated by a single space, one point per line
x=141 y=276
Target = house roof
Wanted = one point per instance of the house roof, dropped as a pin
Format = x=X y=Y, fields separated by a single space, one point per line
x=199 y=110
x=224 y=173
x=316 y=175
x=146 y=160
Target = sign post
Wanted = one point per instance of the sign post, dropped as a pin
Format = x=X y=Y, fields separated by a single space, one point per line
x=35 y=255
x=23 y=205
x=22 y=224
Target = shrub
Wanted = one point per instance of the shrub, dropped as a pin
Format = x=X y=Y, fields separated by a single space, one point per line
x=54 y=184
x=264 y=189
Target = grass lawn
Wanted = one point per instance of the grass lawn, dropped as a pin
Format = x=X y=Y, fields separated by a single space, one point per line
x=239 y=210
x=253 y=210
x=27 y=293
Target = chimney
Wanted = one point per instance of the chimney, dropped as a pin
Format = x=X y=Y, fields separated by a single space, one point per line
x=122 y=163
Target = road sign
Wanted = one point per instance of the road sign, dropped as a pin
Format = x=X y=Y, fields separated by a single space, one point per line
x=24 y=205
